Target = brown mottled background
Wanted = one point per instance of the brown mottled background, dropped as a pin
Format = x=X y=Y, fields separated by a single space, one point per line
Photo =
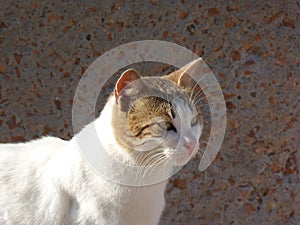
x=253 y=48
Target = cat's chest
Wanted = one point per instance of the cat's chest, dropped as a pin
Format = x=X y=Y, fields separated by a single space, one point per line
x=144 y=205
x=121 y=204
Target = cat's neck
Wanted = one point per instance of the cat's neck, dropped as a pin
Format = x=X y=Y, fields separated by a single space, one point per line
x=107 y=135
x=118 y=156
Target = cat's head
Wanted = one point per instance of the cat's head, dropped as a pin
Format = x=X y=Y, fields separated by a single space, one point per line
x=157 y=118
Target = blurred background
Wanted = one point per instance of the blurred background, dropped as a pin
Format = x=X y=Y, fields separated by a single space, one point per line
x=253 y=48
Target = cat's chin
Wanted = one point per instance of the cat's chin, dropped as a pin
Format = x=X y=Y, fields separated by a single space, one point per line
x=180 y=159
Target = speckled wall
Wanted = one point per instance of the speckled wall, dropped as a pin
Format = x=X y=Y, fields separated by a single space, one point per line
x=253 y=48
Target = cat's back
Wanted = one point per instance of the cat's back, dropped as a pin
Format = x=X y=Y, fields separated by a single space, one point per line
x=46 y=142
x=39 y=147
x=19 y=158
x=36 y=151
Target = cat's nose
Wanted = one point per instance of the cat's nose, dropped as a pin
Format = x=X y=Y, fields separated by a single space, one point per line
x=189 y=143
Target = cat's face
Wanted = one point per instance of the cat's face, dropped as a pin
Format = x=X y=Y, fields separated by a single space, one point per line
x=162 y=121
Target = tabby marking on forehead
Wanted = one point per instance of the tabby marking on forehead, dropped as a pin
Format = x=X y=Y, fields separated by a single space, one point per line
x=147 y=111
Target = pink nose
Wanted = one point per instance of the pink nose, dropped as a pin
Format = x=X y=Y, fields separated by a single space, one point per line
x=189 y=143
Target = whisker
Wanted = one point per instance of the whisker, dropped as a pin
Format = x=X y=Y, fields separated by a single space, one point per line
x=200 y=152
x=150 y=164
x=147 y=158
x=200 y=93
x=154 y=159
x=157 y=163
x=199 y=96
x=202 y=141
x=145 y=155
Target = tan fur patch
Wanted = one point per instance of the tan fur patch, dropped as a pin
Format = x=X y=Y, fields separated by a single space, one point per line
x=140 y=112
x=146 y=111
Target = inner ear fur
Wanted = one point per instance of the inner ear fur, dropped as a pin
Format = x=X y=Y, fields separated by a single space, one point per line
x=181 y=78
x=184 y=80
x=126 y=78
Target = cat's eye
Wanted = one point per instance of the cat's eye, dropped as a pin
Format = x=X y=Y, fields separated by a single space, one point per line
x=163 y=125
x=194 y=120
x=170 y=127
x=166 y=126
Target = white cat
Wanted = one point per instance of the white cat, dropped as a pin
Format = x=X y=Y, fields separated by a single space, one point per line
x=47 y=182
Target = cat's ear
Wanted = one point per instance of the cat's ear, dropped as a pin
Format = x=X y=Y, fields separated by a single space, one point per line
x=126 y=78
x=181 y=78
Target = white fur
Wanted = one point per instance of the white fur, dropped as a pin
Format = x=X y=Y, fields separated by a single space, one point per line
x=185 y=131
x=47 y=182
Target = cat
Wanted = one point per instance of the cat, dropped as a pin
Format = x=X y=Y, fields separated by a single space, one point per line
x=47 y=181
